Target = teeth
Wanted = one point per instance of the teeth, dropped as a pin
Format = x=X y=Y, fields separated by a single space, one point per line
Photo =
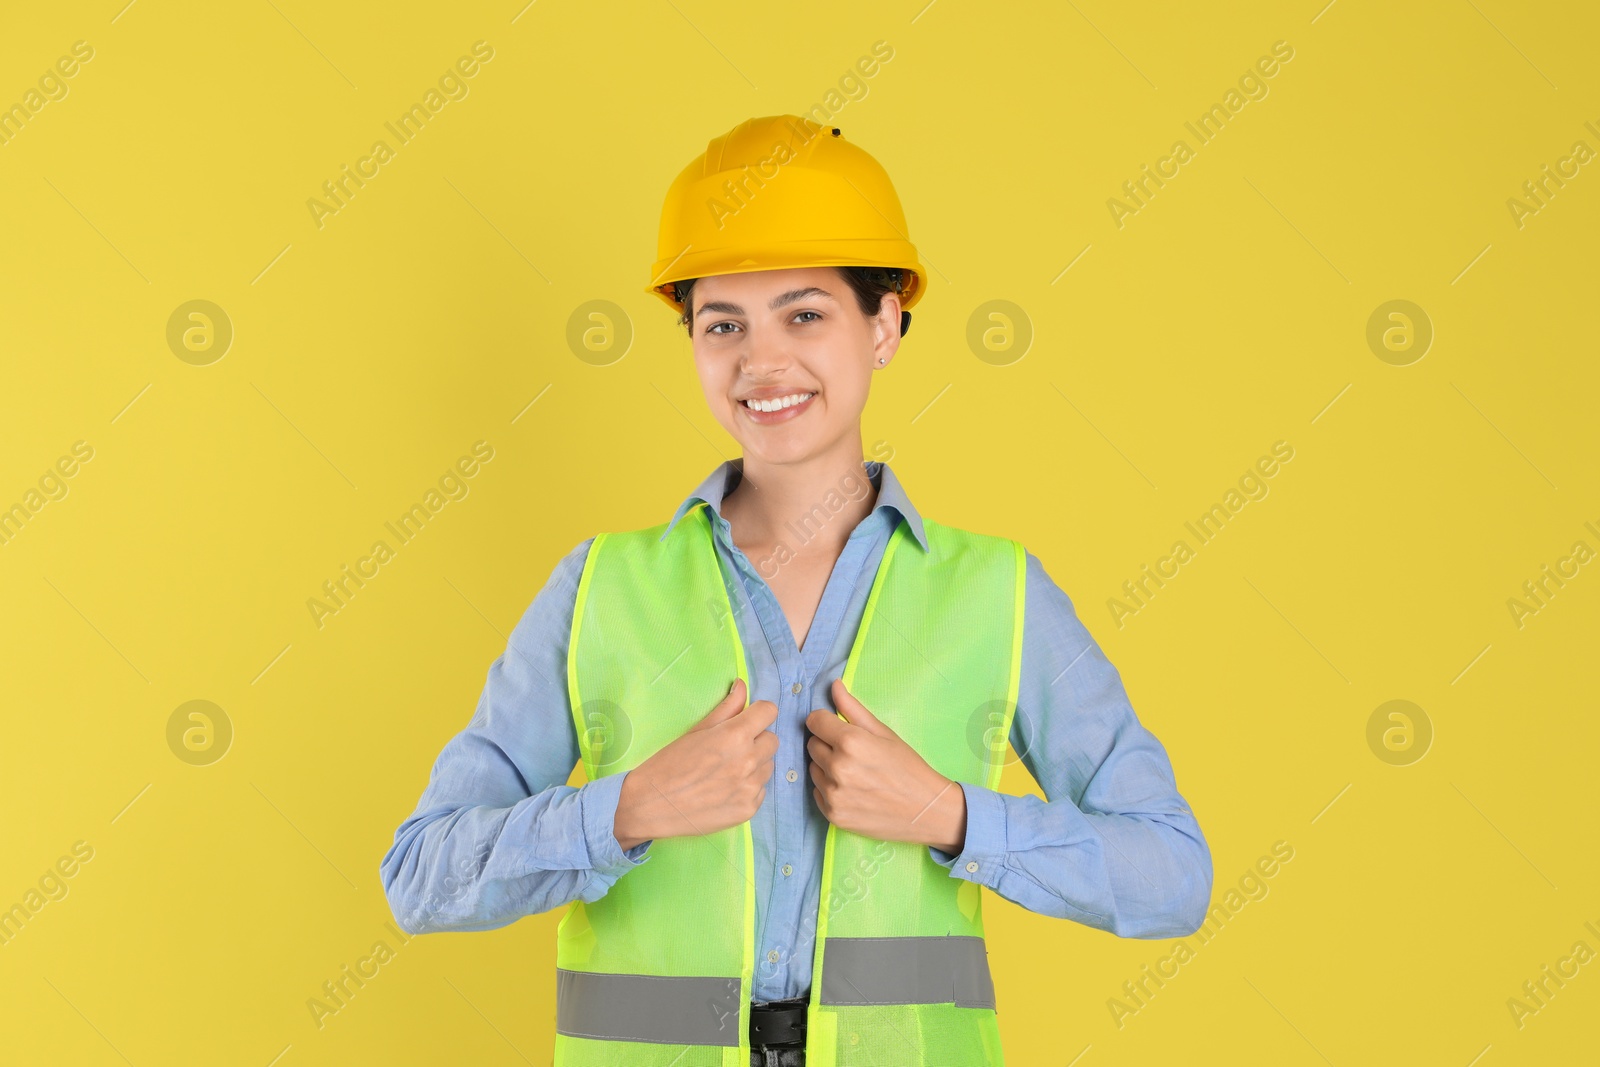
x=779 y=403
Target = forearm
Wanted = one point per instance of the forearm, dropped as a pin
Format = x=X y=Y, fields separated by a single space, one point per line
x=1134 y=875
x=475 y=867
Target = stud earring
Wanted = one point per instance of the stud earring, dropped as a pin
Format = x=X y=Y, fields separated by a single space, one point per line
x=880 y=360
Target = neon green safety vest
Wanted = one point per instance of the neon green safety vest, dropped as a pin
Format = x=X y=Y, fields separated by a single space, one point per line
x=658 y=971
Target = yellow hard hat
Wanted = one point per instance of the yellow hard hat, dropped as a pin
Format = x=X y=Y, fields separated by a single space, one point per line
x=780 y=192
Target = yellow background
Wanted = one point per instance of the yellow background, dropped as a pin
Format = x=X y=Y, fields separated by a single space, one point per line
x=1229 y=313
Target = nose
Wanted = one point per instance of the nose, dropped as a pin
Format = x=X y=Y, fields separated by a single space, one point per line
x=762 y=356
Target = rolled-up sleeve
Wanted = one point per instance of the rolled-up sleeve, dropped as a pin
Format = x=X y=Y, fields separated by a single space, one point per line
x=1115 y=846
x=497 y=834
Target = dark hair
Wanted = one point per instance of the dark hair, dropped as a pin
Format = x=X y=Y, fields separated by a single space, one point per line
x=868 y=283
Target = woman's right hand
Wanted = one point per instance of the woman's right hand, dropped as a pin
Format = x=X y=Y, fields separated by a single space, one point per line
x=713 y=777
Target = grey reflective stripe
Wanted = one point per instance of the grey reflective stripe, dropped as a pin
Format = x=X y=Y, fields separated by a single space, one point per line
x=647 y=1007
x=907 y=970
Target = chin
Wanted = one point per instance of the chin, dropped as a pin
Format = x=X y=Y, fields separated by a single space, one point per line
x=788 y=452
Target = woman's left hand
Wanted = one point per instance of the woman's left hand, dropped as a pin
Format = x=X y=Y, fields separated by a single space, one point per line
x=868 y=780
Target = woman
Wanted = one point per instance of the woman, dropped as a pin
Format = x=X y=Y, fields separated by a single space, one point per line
x=798 y=875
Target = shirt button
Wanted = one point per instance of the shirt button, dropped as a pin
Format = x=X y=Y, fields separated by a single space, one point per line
x=787 y=870
x=791 y=775
x=772 y=957
x=795 y=688
x=972 y=865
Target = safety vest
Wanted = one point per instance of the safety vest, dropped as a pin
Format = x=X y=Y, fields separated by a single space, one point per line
x=659 y=970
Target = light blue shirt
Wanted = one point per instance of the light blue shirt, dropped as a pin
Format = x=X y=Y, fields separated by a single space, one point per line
x=498 y=834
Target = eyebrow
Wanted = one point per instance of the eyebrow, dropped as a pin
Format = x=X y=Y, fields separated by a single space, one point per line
x=725 y=308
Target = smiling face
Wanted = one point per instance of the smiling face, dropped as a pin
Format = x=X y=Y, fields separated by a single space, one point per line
x=793 y=337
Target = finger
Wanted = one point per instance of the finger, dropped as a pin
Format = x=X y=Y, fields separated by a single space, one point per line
x=820 y=751
x=756 y=718
x=729 y=706
x=855 y=712
x=820 y=776
x=826 y=725
x=822 y=805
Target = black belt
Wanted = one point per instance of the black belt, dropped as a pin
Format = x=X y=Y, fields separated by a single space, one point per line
x=779 y=1023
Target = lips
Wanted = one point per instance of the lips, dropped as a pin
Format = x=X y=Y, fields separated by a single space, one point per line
x=768 y=418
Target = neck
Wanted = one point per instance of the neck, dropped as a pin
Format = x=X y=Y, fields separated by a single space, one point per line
x=806 y=506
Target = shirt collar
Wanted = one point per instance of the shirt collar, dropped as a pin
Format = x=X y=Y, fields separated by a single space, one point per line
x=891 y=495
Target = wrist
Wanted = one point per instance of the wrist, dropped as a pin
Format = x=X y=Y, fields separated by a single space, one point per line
x=949 y=828
x=623 y=826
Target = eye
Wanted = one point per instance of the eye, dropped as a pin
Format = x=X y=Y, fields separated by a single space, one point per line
x=712 y=329
x=798 y=314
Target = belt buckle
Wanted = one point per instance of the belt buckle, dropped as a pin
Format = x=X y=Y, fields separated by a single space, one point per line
x=778 y=1024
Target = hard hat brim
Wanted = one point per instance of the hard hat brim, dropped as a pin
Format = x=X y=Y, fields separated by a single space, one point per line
x=802 y=254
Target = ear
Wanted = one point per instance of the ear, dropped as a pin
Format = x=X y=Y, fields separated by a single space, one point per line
x=886 y=330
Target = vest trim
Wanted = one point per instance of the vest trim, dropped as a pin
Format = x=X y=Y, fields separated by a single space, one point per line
x=648 y=1007
x=907 y=970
